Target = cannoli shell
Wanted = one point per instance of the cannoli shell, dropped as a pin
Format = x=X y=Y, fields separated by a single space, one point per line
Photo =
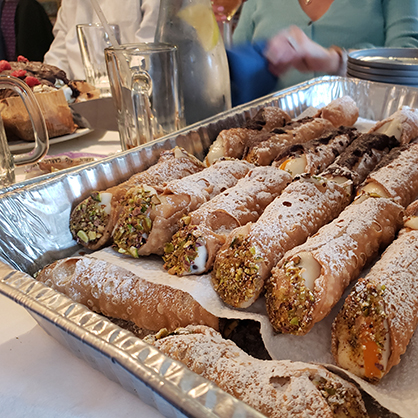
x=399 y=176
x=319 y=152
x=172 y=164
x=244 y=202
x=361 y=157
x=342 y=111
x=397 y=271
x=175 y=163
x=274 y=388
x=407 y=119
x=302 y=208
x=342 y=248
x=268 y=118
x=264 y=153
x=237 y=206
x=230 y=143
x=182 y=196
x=117 y=293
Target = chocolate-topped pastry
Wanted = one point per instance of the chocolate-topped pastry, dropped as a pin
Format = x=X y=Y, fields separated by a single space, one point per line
x=33 y=73
x=53 y=92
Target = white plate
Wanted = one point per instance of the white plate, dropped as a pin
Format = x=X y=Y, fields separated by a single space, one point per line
x=23 y=146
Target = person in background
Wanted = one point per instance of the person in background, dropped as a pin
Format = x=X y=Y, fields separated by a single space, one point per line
x=302 y=39
x=25 y=30
x=137 y=20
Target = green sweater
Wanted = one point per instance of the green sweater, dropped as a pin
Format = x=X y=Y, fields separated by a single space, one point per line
x=350 y=24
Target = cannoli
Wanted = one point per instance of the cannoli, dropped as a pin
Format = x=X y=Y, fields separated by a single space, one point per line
x=314 y=156
x=395 y=177
x=263 y=149
x=274 y=388
x=403 y=125
x=232 y=142
x=245 y=260
x=117 y=293
x=342 y=111
x=360 y=158
x=378 y=318
x=193 y=248
x=148 y=219
x=311 y=278
x=250 y=252
x=92 y=220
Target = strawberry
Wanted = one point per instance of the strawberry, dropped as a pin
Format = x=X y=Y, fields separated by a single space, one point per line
x=32 y=81
x=19 y=73
x=4 y=65
x=21 y=58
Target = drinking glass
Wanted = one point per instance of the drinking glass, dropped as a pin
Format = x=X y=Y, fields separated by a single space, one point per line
x=225 y=11
x=144 y=84
x=93 y=40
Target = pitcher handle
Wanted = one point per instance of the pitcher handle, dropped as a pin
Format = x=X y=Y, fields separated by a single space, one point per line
x=36 y=118
x=144 y=117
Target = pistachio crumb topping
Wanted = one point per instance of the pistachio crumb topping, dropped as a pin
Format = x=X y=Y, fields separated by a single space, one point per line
x=180 y=253
x=365 y=315
x=292 y=301
x=134 y=224
x=88 y=220
x=341 y=401
x=235 y=277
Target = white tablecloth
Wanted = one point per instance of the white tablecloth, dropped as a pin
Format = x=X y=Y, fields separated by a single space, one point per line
x=39 y=378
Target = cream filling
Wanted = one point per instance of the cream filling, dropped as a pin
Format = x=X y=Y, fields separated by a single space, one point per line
x=339 y=179
x=374 y=189
x=217 y=150
x=105 y=202
x=178 y=153
x=370 y=190
x=310 y=269
x=197 y=266
x=392 y=127
x=295 y=165
x=411 y=222
x=386 y=347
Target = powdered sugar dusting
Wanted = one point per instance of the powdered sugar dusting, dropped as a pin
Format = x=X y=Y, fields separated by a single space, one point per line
x=277 y=389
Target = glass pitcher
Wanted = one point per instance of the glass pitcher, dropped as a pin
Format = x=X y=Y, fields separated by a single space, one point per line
x=204 y=74
x=7 y=160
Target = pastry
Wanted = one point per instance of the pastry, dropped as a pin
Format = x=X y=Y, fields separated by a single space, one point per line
x=403 y=125
x=118 y=293
x=53 y=91
x=232 y=142
x=245 y=261
x=395 y=177
x=92 y=221
x=311 y=278
x=149 y=218
x=314 y=156
x=193 y=248
x=263 y=149
x=274 y=388
x=342 y=111
x=380 y=315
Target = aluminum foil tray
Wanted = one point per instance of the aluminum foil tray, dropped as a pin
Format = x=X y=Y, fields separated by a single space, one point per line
x=34 y=217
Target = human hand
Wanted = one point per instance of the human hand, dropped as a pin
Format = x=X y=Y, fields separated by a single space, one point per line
x=292 y=48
